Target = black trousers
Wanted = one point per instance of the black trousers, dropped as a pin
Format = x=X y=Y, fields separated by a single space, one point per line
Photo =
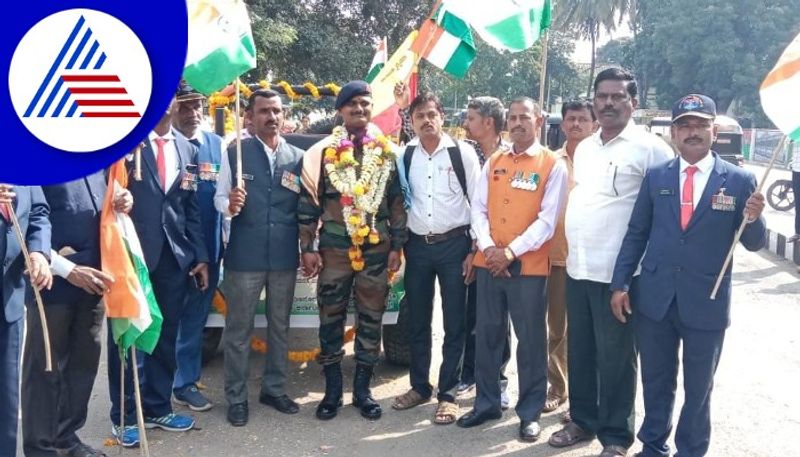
x=468 y=367
x=55 y=404
x=601 y=363
x=424 y=264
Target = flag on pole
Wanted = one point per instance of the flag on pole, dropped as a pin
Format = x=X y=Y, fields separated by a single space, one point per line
x=399 y=67
x=781 y=90
x=130 y=303
x=221 y=44
x=512 y=25
x=378 y=61
x=446 y=41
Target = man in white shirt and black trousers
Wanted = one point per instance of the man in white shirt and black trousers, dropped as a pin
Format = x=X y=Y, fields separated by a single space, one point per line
x=441 y=175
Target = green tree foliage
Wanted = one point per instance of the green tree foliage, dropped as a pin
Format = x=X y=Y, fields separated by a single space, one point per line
x=721 y=48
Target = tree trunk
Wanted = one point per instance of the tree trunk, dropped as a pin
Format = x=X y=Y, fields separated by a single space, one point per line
x=593 y=33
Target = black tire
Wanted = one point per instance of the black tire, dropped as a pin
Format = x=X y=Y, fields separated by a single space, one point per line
x=212 y=336
x=780 y=195
x=395 y=342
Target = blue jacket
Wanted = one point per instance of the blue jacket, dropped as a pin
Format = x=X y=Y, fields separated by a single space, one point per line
x=167 y=220
x=32 y=211
x=75 y=218
x=210 y=151
x=682 y=265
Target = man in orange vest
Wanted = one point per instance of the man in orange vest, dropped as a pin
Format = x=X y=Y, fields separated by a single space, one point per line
x=514 y=214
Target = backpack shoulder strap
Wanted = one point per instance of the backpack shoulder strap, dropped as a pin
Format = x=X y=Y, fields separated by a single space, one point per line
x=407 y=159
x=458 y=167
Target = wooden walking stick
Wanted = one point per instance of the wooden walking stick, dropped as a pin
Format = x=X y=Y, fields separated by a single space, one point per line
x=738 y=235
x=48 y=364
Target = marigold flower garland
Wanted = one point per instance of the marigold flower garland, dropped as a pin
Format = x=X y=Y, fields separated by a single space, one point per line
x=362 y=192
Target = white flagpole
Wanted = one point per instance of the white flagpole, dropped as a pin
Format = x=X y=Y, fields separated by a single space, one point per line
x=240 y=179
x=145 y=449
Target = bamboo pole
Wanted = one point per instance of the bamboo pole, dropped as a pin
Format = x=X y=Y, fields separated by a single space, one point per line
x=738 y=235
x=239 y=179
x=48 y=361
x=144 y=447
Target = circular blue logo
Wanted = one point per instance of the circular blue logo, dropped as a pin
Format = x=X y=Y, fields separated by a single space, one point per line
x=87 y=81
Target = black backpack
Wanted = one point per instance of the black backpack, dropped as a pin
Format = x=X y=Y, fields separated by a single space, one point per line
x=455 y=159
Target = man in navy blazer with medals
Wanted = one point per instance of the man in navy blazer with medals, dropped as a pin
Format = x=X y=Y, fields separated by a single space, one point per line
x=686 y=215
x=31 y=210
x=167 y=220
x=55 y=404
x=187 y=116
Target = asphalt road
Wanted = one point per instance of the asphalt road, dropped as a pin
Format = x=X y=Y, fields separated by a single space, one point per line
x=755 y=408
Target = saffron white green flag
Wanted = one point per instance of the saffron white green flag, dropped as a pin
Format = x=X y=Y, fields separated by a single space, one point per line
x=221 y=44
x=446 y=41
x=512 y=25
x=378 y=61
x=131 y=305
x=780 y=91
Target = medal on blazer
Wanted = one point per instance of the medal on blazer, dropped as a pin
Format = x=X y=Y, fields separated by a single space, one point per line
x=189 y=178
x=530 y=183
x=722 y=202
x=208 y=171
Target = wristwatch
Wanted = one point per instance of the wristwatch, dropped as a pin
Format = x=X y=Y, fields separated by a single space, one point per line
x=509 y=254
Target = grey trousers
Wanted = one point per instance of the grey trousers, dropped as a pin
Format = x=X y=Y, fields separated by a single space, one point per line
x=244 y=291
x=523 y=298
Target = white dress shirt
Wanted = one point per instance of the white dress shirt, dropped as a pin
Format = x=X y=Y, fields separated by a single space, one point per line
x=607 y=181
x=171 y=162
x=198 y=135
x=542 y=229
x=59 y=265
x=704 y=167
x=438 y=204
x=224 y=180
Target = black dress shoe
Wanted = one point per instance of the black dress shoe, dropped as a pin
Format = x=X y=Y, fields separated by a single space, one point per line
x=83 y=450
x=370 y=409
x=283 y=403
x=238 y=414
x=474 y=418
x=529 y=431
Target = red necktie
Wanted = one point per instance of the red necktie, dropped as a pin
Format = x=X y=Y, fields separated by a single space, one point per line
x=161 y=162
x=4 y=212
x=687 y=197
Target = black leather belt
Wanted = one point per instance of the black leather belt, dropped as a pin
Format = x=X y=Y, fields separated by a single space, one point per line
x=439 y=237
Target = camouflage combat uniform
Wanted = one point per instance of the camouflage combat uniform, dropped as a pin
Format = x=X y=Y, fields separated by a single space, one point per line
x=337 y=278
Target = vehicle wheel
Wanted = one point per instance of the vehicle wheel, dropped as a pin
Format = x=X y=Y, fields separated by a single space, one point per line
x=780 y=195
x=211 y=339
x=395 y=343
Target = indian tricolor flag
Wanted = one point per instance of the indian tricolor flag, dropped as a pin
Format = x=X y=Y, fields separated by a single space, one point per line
x=780 y=91
x=378 y=61
x=221 y=44
x=512 y=25
x=400 y=67
x=446 y=41
x=130 y=304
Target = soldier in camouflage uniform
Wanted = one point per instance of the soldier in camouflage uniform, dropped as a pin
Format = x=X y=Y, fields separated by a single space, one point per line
x=320 y=201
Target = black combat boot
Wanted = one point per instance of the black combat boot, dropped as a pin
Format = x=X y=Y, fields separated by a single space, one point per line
x=362 y=397
x=332 y=401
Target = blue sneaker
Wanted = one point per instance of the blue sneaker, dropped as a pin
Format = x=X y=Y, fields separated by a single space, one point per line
x=191 y=397
x=171 y=422
x=127 y=437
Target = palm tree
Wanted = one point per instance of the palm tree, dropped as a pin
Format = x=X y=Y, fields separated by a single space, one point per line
x=585 y=18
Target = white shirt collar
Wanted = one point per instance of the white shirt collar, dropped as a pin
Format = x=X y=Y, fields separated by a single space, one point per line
x=704 y=165
x=627 y=133
x=446 y=141
x=153 y=135
x=531 y=151
x=198 y=135
x=266 y=147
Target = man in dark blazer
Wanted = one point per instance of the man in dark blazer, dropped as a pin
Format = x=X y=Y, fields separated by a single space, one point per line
x=167 y=221
x=31 y=210
x=262 y=252
x=186 y=119
x=686 y=215
x=55 y=404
